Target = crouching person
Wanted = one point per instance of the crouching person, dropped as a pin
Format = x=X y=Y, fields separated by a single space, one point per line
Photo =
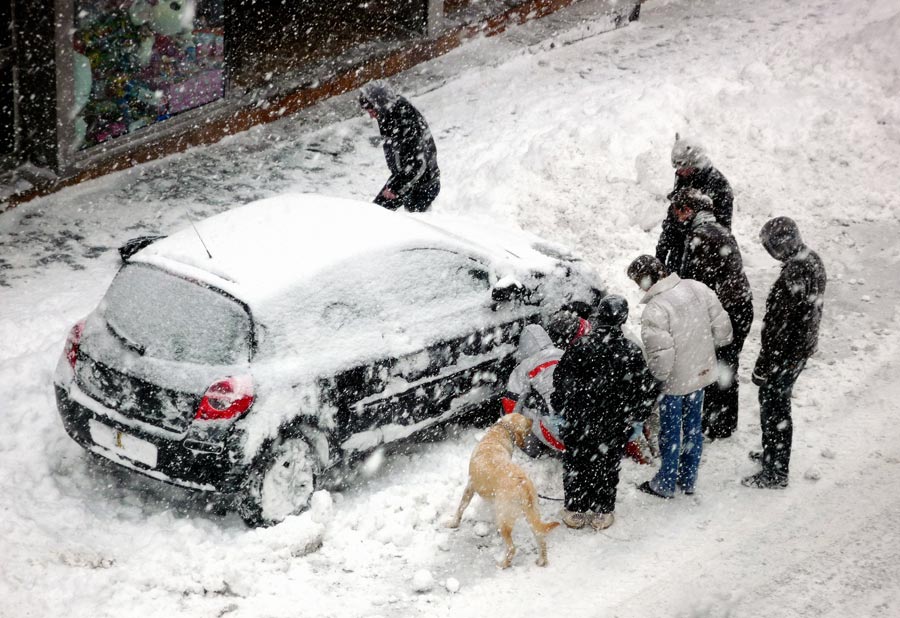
x=529 y=388
x=601 y=385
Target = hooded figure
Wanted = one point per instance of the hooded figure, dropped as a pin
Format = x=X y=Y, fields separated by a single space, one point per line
x=790 y=335
x=693 y=170
x=530 y=387
x=409 y=150
x=711 y=255
x=602 y=385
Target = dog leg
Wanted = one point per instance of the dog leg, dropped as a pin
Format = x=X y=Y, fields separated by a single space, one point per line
x=538 y=527
x=463 y=504
x=506 y=532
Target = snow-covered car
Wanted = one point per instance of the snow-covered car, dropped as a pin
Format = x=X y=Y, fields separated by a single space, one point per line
x=247 y=354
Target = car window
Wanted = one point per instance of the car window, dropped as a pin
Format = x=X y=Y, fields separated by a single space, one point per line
x=386 y=303
x=164 y=316
x=434 y=281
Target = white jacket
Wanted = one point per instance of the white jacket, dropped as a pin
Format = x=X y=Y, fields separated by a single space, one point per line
x=531 y=385
x=681 y=327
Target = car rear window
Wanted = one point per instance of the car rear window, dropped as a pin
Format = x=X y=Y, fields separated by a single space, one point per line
x=164 y=316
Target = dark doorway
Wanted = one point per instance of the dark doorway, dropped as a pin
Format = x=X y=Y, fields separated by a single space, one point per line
x=7 y=84
x=290 y=39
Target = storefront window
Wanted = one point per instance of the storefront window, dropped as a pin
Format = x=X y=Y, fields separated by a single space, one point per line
x=139 y=62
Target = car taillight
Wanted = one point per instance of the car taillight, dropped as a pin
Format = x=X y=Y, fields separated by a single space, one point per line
x=226 y=399
x=72 y=341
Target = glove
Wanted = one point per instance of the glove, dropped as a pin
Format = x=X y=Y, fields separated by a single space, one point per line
x=757 y=379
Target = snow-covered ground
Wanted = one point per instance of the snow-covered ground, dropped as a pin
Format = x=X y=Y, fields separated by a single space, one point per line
x=565 y=133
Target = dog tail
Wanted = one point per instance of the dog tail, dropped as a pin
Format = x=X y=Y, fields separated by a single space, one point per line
x=546 y=527
x=534 y=516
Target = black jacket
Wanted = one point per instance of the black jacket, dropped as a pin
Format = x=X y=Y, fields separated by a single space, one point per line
x=790 y=331
x=408 y=147
x=600 y=384
x=711 y=256
x=711 y=183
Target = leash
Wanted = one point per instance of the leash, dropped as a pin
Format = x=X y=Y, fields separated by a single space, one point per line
x=543 y=497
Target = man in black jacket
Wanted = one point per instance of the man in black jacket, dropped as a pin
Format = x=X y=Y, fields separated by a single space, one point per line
x=790 y=334
x=601 y=385
x=693 y=170
x=408 y=149
x=711 y=255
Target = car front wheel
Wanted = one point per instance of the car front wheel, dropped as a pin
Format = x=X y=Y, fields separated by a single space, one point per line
x=280 y=484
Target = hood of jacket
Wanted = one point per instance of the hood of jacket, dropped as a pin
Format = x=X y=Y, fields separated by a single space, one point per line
x=379 y=95
x=532 y=340
x=661 y=286
x=703 y=217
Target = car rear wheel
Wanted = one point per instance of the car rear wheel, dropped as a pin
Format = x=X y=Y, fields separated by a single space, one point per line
x=280 y=484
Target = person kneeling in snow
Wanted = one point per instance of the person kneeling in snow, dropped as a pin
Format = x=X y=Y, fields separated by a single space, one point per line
x=601 y=386
x=408 y=149
x=529 y=388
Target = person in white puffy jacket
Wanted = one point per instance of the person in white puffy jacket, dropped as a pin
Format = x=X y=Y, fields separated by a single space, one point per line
x=681 y=327
x=529 y=389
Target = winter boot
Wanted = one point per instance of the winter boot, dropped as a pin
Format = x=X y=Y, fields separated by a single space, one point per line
x=633 y=451
x=647 y=488
x=574 y=519
x=765 y=480
x=602 y=521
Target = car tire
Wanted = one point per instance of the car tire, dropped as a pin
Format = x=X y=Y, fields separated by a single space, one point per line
x=280 y=483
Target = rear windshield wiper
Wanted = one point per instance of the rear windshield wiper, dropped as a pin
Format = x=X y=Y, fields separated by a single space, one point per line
x=140 y=349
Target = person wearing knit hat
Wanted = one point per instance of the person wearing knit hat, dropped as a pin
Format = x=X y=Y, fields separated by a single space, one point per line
x=600 y=386
x=409 y=149
x=693 y=170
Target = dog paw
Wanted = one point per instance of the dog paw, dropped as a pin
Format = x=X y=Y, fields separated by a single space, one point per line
x=541 y=562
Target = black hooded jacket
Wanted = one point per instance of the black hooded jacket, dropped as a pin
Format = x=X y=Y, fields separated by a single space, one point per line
x=790 y=331
x=710 y=182
x=600 y=384
x=409 y=149
x=711 y=256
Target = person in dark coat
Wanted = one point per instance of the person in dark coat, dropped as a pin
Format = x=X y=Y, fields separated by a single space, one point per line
x=711 y=255
x=693 y=170
x=601 y=385
x=408 y=149
x=790 y=335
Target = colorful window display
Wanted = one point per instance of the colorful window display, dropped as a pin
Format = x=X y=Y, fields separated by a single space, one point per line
x=138 y=62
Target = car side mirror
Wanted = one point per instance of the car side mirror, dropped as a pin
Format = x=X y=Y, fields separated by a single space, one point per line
x=509 y=290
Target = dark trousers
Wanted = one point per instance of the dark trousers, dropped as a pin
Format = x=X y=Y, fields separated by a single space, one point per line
x=720 y=399
x=419 y=199
x=591 y=473
x=775 y=418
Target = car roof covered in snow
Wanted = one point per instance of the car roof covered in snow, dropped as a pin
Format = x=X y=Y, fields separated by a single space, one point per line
x=267 y=246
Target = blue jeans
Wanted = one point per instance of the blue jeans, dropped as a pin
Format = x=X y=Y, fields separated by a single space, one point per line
x=679 y=415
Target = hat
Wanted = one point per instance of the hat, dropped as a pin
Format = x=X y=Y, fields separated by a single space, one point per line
x=688 y=153
x=781 y=238
x=565 y=327
x=611 y=311
x=694 y=199
x=377 y=95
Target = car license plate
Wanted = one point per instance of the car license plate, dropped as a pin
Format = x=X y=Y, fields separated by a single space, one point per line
x=123 y=444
